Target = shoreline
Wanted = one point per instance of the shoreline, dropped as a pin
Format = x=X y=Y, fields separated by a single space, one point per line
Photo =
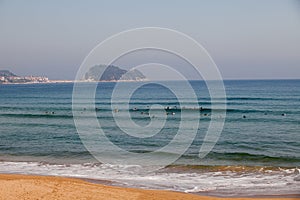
x=201 y=194
x=16 y=186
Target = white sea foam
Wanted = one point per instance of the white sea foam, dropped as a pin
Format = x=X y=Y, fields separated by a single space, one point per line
x=227 y=183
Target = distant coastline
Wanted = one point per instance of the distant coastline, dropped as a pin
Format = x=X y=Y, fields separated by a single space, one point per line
x=7 y=77
x=70 y=81
x=111 y=74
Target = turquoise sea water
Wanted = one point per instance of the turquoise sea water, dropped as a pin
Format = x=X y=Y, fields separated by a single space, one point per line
x=258 y=151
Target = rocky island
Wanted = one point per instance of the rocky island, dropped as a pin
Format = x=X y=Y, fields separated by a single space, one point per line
x=113 y=73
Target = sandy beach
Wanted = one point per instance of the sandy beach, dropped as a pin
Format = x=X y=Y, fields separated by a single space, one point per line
x=47 y=187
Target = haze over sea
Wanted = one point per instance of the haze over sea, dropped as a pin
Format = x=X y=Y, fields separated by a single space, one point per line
x=258 y=151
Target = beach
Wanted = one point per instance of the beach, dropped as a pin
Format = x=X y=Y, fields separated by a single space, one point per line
x=46 y=187
x=149 y=100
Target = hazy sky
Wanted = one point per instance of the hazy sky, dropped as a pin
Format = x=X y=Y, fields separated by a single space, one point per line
x=247 y=39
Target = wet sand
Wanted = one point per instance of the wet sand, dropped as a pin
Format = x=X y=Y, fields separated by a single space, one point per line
x=20 y=187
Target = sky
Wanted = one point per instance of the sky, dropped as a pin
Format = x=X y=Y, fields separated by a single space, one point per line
x=250 y=39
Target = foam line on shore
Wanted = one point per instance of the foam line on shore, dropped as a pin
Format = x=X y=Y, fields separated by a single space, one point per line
x=37 y=187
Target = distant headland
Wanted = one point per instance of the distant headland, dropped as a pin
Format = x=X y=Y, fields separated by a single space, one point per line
x=109 y=74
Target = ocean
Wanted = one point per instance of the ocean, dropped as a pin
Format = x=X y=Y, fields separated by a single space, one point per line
x=257 y=154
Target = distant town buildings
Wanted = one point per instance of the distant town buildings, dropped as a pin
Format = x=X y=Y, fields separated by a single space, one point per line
x=25 y=79
x=8 y=77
